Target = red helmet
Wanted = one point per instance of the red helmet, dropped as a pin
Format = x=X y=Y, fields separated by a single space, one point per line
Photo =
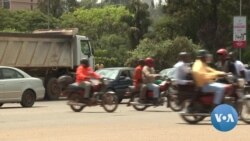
x=149 y=61
x=222 y=51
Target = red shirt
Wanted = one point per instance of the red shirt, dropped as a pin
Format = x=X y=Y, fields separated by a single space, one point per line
x=138 y=76
x=84 y=74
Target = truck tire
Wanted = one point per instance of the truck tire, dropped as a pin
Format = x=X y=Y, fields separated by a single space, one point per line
x=53 y=89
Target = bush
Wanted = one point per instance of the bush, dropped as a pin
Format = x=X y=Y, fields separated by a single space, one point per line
x=165 y=53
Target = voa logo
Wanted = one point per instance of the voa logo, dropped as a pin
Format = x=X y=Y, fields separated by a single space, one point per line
x=224 y=117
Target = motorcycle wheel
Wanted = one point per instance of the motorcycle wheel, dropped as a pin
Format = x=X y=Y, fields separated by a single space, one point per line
x=245 y=111
x=192 y=119
x=175 y=104
x=138 y=107
x=109 y=102
x=76 y=98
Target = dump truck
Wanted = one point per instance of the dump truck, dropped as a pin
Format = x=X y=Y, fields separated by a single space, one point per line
x=47 y=54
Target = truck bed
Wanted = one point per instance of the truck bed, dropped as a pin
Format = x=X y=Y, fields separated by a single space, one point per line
x=36 y=50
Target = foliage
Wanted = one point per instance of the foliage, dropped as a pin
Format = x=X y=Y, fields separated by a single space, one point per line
x=96 y=22
x=104 y=27
x=138 y=22
x=208 y=22
x=117 y=29
x=113 y=51
x=164 y=52
x=52 y=7
x=24 y=20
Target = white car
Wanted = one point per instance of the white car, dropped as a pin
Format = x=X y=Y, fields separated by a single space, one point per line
x=17 y=86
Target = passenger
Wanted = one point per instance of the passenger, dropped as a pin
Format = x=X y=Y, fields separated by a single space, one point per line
x=205 y=76
x=222 y=63
x=237 y=67
x=137 y=79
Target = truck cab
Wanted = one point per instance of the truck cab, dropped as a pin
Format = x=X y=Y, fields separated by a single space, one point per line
x=84 y=50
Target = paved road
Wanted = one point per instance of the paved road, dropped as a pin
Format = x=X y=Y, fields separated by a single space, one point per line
x=54 y=121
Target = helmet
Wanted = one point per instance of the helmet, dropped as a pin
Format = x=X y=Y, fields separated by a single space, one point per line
x=149 y=61
x=183 y=53
x=202 y=53
x=222 y=51
x=84 y=61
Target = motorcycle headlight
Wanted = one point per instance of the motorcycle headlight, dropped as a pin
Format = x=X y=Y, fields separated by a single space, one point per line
x=241 y=82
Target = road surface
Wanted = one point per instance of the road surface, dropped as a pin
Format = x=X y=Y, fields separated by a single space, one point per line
x=54 y=121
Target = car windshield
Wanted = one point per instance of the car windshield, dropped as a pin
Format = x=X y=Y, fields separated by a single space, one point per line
x=170 y=73
x=108 y=73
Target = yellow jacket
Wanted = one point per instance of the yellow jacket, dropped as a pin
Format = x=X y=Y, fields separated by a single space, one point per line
x=203 y=74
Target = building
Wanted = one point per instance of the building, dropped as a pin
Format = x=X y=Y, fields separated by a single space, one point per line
x=18 y=4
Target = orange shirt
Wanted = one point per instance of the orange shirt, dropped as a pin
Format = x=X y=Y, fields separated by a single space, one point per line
x=137 y=76
x=84 y=74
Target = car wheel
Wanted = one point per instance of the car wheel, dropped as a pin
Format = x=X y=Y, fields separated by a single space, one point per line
x=1 y=104
x=28 y=98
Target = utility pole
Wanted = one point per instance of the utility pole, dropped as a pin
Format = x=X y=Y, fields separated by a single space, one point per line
x=48 y=10
x=240 y=15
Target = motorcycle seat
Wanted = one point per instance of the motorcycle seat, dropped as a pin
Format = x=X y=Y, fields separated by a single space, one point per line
x=188 y=87
x=199 y=91
x=132 y=88
x=75 y=87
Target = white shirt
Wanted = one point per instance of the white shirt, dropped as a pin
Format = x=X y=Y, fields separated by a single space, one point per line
x=181 y=71
x=239 y=66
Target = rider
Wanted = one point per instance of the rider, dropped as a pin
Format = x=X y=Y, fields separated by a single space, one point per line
x=237 y=66
x=83 y=74
x=182 y=69
x=148 y=77
x=204 y=77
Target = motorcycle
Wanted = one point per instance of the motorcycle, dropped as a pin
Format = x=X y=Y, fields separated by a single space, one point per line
x=198 y=105
x=99 y=95
x=166 y=96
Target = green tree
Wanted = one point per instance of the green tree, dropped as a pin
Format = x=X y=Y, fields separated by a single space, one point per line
x=105 y=29
x=24 y=20
x=6 y=20
x=208 y=22
x=138 y=22
x=164 y=52
x=52 y=7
